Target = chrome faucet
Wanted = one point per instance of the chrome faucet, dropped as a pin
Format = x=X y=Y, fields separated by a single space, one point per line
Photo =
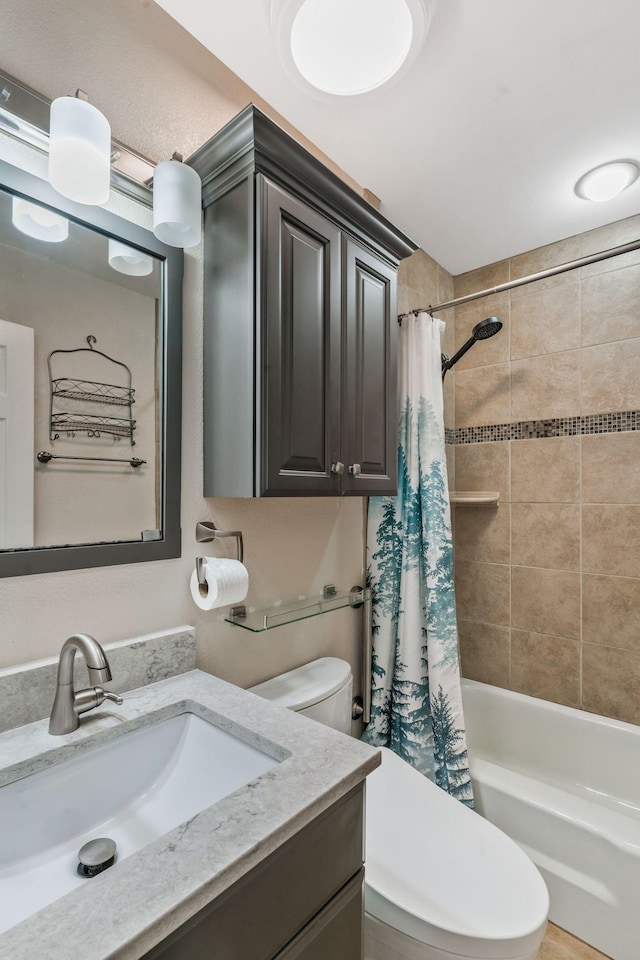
x=69 y=704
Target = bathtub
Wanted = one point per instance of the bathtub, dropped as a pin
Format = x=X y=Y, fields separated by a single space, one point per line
x=565 y=785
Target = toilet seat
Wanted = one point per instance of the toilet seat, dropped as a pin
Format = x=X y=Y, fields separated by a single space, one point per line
x=442 y=875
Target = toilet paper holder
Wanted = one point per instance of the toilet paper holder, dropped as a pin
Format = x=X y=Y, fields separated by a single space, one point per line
x=206 y=531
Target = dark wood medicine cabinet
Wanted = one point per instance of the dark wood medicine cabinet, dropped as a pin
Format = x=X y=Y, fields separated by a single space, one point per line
x=299 y=322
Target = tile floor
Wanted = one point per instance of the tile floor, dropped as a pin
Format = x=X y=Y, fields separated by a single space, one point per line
x=560 y=945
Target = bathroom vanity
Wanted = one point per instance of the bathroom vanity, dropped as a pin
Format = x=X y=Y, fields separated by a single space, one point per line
x=304 y=902
x=272 y=869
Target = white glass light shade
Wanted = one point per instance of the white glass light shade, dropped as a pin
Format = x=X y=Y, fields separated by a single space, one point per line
x=126 y=259
x=38 y=222
x=79 y=151
x=607 y=181
x=177 y=204
x=348 y=47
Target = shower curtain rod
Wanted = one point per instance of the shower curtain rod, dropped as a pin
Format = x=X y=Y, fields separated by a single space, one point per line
x=551 y=272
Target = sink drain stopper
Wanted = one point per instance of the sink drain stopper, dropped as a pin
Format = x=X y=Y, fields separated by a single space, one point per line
x=95 y=856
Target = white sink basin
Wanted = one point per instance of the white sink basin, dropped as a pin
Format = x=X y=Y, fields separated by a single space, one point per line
x=133 y=790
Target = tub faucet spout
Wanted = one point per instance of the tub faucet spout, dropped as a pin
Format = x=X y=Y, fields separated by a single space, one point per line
x=69 y=703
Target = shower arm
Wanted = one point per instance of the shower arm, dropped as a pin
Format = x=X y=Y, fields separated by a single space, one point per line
x=447 y=362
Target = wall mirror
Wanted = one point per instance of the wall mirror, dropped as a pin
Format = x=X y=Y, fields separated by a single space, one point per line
x=90 y=385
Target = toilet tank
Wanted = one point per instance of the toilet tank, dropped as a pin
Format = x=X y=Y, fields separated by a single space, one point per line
x=321 y=690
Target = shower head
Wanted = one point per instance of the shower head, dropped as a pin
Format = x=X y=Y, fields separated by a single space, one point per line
x=487 y=328
x=482 y=331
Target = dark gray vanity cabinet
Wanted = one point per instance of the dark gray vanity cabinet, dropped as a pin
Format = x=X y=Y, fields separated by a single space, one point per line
x=303 y=902
x=300 y=322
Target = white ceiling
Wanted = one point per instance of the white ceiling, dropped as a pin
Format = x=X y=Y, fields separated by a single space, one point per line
x=476 y=150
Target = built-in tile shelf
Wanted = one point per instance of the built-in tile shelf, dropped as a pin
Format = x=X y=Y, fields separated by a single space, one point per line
x=288 y=611
x=489 y=498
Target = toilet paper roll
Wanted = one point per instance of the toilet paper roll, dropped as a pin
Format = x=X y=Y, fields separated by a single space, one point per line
x=227 y=581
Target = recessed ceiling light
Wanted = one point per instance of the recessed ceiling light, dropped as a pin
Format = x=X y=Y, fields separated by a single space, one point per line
x=348 y=47
x=607 y=181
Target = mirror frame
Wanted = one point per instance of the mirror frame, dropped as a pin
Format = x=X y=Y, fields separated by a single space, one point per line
x=33 y=560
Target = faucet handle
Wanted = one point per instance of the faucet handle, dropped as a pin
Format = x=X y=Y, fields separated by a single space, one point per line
x=92 y=697
x=107 y=695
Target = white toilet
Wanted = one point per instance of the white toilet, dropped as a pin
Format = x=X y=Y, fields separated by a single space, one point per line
x=441 y=883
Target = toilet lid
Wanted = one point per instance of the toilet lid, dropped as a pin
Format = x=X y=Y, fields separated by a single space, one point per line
x=442 y=874
x=306 y=685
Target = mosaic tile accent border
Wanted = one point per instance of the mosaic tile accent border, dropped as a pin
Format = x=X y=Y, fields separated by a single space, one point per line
x=622 y=422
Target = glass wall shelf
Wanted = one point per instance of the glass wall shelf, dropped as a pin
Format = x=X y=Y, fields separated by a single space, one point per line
x=288 y=611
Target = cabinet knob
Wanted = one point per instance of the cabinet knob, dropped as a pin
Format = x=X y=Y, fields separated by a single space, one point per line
x=337 y=468
x=355 y=470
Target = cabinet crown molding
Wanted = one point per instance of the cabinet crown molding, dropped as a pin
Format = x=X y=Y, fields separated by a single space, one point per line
x=252 y=143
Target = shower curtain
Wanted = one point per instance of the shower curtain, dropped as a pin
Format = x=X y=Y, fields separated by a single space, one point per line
x=416 y=703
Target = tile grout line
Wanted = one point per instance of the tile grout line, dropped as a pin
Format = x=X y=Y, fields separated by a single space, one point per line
x=510 y=492
x=580 y=585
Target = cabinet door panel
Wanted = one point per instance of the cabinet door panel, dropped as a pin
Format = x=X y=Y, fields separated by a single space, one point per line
x=336 y=932
x=260 y=914
x=370 y=414
x=301 y=324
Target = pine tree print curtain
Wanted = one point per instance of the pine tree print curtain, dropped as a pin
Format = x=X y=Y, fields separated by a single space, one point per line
x=416 y=703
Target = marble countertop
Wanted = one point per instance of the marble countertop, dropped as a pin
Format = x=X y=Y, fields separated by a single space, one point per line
x=137 y=903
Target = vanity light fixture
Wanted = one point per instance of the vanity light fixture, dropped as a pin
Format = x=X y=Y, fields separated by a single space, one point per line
x=607 y=181
x=348 y=47
x=126 y=259
x=38 y=222
x=79 y=150
x=84 y=161
x=177 y=203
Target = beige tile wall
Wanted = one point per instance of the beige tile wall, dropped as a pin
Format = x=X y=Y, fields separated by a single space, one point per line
x=548 y=583
x=422 y=282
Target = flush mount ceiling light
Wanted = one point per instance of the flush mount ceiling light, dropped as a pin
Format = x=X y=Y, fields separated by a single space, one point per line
x=38 y=222
x=177 y=203
x=607 y=181
x=79 y=150
x=126 y=259
x=348 y=47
